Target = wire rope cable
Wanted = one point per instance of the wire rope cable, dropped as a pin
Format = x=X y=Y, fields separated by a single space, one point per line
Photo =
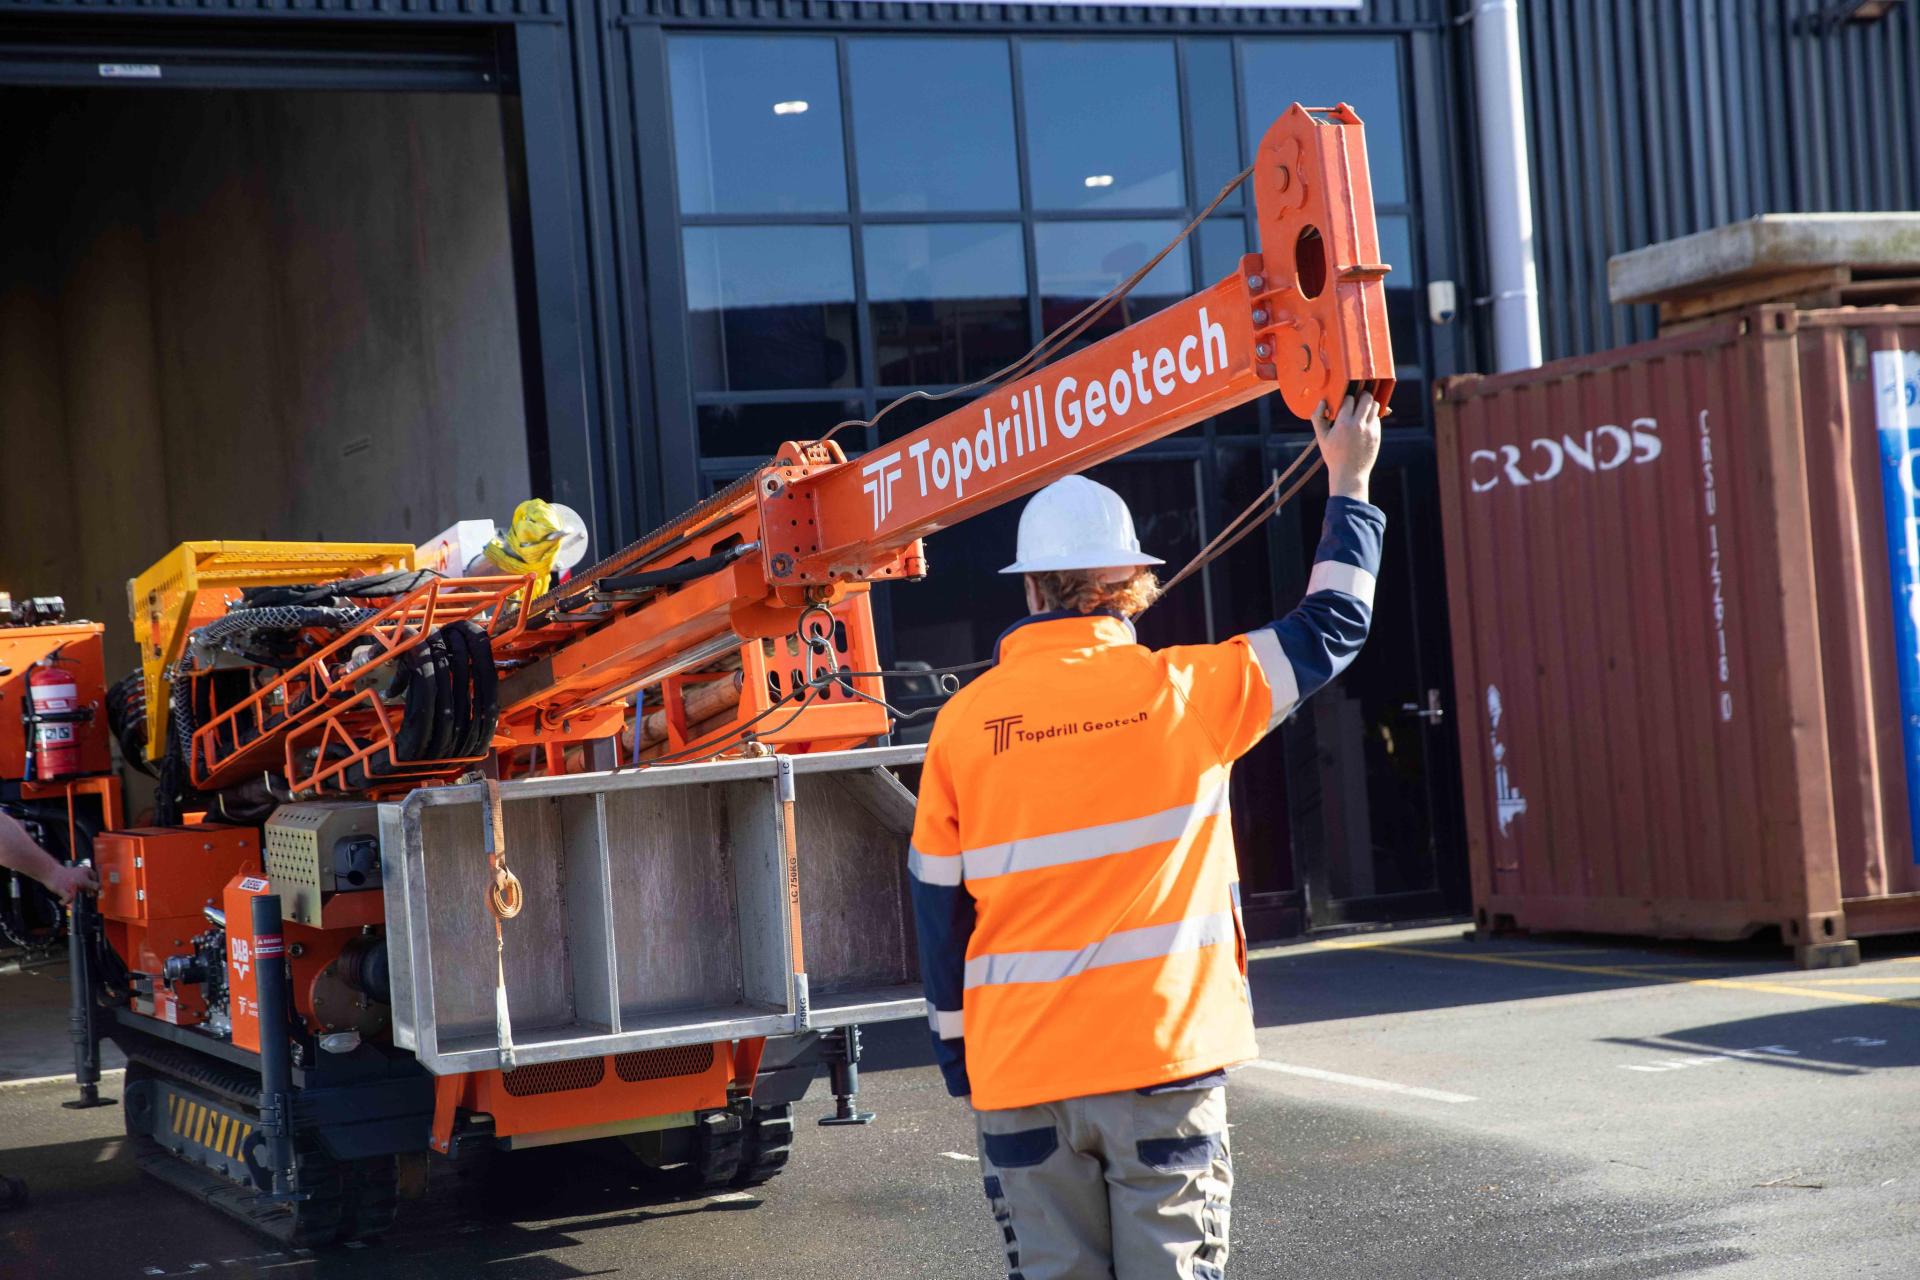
x=1067 y=332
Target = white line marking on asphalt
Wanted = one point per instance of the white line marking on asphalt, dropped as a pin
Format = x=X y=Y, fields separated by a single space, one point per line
x=1761 y=1053
x=729 y=1196
x=1361 y=1082
x=961 y=1156
x=67 y=1076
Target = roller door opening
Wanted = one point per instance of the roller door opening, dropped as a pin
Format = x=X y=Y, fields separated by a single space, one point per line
x=248 y=314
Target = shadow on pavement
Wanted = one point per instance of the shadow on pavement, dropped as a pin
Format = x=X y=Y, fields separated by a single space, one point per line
x=90 y=1207
x=1377 y=975
x=1838 y=1040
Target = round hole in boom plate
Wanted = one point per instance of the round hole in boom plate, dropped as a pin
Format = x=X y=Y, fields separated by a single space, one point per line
x=1310 y=262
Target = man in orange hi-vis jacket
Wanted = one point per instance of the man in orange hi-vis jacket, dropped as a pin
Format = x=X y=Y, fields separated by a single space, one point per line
x=1076 y=889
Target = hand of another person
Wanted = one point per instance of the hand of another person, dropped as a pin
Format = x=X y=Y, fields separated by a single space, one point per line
x=1350 y=443
x=65 y=881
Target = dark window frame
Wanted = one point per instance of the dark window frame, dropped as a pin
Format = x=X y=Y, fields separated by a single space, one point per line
x=1276 y=434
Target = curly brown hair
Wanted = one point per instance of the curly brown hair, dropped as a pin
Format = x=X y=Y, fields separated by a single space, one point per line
x=1082 y=591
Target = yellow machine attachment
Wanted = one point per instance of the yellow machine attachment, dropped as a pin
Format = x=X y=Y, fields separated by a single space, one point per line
x=196 y=581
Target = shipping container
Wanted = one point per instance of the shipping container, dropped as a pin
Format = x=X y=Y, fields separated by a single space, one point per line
x=1674 y=642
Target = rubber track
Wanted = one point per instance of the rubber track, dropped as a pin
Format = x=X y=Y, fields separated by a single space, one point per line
x=348 y=1199
x=231 y=1082
x=766 y=1144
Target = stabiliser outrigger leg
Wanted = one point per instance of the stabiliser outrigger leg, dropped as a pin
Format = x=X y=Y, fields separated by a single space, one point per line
x=841 y=1049
x=82 y=927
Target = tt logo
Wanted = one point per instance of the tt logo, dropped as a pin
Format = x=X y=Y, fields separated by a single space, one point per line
x=881 y=474
x=1002 y=731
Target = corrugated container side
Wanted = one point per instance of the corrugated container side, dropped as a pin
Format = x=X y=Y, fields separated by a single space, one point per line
x=1630 y=565
x=1875 y=847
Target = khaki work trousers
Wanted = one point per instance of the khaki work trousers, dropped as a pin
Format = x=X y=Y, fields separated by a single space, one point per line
x=1133 y=1186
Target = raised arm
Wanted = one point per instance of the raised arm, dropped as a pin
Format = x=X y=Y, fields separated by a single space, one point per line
x=1314 y=643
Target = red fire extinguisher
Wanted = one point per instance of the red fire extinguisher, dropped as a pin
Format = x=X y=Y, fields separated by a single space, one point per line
x=58 y=719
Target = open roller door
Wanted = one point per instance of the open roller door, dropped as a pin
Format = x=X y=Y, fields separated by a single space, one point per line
x=254 y=283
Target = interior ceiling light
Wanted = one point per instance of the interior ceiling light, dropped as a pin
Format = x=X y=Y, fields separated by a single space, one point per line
x=793 y=108
x=1099 y=179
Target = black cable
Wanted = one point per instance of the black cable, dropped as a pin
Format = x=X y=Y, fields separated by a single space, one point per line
x=674 y=575
x=905 y=672
x=841 y=679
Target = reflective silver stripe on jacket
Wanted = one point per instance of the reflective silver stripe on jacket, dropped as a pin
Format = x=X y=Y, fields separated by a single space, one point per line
x=948 y=1024
x=929 y=870
x=1347 y=579
x=1128 y=945
x=1278 y=670
x=1083 y=844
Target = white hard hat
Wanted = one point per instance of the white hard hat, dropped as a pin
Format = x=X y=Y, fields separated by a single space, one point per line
x=1077 y=523
x=573 y=538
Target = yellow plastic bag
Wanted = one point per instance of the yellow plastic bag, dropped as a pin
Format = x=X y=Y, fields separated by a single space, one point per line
x=530 y=544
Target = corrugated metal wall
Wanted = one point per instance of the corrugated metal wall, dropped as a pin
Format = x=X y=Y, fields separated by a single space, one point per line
x=1651 y=119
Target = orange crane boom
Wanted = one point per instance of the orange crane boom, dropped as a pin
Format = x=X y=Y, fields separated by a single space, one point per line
x=1305 y=316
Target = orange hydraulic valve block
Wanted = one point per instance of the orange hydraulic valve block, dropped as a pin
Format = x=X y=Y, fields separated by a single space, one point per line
x=1320 y=308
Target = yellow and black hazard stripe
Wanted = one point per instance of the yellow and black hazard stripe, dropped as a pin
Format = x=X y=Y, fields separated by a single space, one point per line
x=206 y=1132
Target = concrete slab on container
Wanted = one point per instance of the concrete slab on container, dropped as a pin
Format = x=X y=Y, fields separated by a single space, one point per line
x=1770 y=245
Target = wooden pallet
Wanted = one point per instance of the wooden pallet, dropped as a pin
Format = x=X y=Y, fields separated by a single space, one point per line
x=1810 y=289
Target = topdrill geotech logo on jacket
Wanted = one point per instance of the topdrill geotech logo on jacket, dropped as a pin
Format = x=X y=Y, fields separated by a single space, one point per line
x=1011 y=731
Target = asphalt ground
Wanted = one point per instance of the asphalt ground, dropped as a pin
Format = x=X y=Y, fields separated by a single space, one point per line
x=1425 y=1107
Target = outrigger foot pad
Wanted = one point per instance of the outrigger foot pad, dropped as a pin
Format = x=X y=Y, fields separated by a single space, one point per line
x=841 y=1048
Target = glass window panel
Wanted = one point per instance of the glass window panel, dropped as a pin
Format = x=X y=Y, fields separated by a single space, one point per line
x=770 y=307
x=756 y=430
x=756 y=125
x=1241 y=420
x=1412 y=396
x=955 y=615
x=1079 y=261
x=949 y=301
x=1164 y=496
x=910 y=415
x=1223 y=241
x=1213 y=120
x=1404 y=311
x=1241 y=581
x=933 y=125
x=1103 y=124
x=1321 y=71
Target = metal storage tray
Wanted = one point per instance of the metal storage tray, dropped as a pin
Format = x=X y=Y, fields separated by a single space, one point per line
x=666 y=906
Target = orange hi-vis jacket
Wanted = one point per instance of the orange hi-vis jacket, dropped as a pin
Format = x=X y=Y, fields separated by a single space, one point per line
x=1073 y=871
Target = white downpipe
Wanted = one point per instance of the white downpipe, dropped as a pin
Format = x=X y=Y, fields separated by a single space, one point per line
x=1506 y=184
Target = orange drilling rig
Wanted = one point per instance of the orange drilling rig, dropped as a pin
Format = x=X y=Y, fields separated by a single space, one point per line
x=453 y=864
